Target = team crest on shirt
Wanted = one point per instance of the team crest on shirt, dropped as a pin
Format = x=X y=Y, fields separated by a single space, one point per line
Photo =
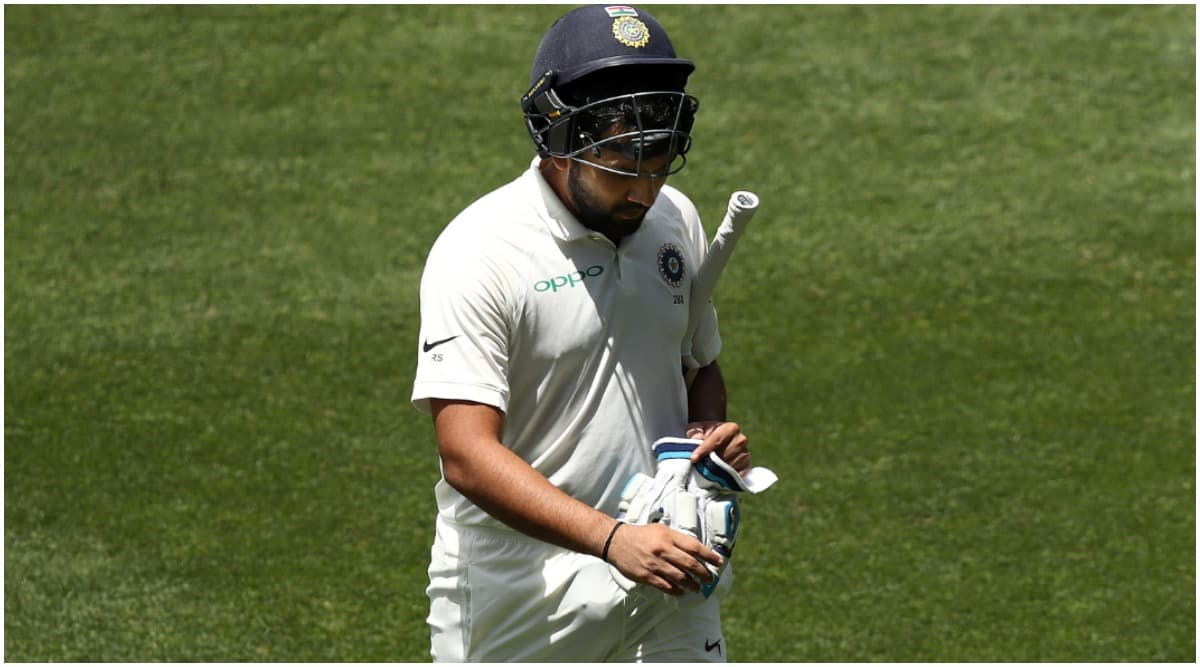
x=670 y=264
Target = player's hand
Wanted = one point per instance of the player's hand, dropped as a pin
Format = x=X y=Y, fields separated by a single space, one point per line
x=663 y=558
x=724 y=438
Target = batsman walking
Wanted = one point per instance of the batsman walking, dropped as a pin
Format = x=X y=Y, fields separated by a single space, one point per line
x=553 y=346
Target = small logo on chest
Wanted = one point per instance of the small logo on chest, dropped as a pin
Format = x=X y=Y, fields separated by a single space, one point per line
x=670 y=264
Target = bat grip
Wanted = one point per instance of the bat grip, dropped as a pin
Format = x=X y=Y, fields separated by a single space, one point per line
x=742 y=206
x=741 y=203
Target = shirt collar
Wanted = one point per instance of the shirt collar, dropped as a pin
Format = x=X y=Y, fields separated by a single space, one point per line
x=560 y=222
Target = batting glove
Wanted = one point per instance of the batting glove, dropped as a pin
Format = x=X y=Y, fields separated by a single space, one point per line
x=699 y=500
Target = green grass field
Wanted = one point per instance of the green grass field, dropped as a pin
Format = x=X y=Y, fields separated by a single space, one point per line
x=962 y=329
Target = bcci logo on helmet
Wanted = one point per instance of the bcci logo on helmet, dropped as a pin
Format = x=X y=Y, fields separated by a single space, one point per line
x=631 y=32
x=670 y=264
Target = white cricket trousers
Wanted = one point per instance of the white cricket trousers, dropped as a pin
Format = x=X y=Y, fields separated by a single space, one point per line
x=498 y=596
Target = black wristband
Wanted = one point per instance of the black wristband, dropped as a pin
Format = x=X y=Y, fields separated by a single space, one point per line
x=608 y=542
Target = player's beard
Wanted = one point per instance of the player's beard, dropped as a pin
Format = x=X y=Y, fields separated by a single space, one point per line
x=615 y=222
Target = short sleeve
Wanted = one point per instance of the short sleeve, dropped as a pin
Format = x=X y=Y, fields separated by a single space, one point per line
x=465 y=319
x=705 y=345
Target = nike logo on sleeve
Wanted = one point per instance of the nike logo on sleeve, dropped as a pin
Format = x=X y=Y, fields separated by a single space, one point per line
x=427 y=346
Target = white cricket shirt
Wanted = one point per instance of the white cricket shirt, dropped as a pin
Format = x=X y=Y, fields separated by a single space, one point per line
x=577 y=341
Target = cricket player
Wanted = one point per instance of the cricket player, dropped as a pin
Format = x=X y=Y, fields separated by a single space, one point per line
x=553 y=313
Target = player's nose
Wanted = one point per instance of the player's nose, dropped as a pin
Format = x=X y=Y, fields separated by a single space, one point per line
x=643 y=191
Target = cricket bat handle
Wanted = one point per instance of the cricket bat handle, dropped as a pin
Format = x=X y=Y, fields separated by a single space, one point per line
x=742 y=207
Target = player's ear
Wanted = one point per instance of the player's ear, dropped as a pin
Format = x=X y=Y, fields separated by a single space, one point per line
x=560 y=163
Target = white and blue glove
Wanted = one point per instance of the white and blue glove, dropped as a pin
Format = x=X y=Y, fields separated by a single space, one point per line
x=700 y=500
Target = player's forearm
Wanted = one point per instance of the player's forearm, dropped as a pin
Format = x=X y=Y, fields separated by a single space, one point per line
x=706 y=397
x=512 y=491
x=487 y=473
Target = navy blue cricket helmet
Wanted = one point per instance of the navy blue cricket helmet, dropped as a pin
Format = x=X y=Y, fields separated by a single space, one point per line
x=608 y=78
